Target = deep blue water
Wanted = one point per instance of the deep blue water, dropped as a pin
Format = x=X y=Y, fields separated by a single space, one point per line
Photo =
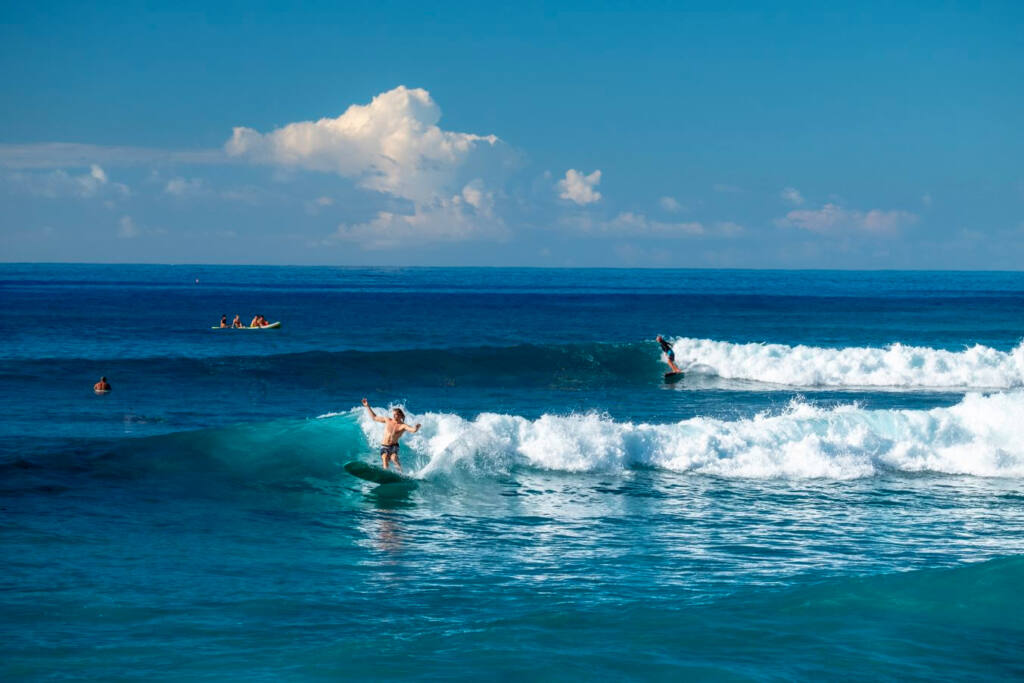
x=834 y=489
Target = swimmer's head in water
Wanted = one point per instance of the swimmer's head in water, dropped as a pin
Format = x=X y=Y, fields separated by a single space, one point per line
x=399 y=414
x=103 y=379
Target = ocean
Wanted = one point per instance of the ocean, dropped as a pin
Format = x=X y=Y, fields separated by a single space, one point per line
x=832 y=491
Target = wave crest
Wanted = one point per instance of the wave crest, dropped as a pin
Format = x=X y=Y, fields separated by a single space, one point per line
x=895 y=366
x=982 y=435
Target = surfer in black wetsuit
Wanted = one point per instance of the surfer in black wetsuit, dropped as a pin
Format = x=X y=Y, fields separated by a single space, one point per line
x=670 y=355
x=394 y=427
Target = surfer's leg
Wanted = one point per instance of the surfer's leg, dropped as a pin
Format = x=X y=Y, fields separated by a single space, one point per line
x=384 y=458
x=671 y=358
x=394 y=459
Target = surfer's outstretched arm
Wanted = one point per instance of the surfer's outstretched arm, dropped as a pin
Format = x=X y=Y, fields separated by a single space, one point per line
x=376 y=418
x=412 y=430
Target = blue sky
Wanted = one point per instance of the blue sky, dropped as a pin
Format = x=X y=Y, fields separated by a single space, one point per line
x=763 y=135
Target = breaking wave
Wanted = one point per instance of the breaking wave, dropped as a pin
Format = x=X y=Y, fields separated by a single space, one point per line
x=983 y=435
x=893 y=366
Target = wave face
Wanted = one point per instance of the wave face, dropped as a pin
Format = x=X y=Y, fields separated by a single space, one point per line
x=588 y=364
x=525 y=365
x=894 y=366
x=982 y=435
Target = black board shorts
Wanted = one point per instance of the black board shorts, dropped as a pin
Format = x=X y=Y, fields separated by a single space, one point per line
x=389 y=449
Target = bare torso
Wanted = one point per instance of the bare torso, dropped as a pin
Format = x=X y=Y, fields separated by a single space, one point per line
x=393 y=430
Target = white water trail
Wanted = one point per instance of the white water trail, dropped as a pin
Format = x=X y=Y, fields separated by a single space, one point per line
x=894 y=366
x=983 y=435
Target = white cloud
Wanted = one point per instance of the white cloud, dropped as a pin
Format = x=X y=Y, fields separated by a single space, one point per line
x=314 y=206
x=60 y=183
x=473 y=195
x=886 y=221
x=792 y=196
x=832 y=218
x=467 y=215
x=926 y=199
x=670 y=204
x=56 y=155
x=391 y=145
x=580 y=188
x=127 y=229
x=631 y=224
x=180 y=187
x=728 y=228
x=478 y=197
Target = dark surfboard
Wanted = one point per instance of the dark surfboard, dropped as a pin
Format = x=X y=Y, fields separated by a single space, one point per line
x=673 y=377
x=378 y=475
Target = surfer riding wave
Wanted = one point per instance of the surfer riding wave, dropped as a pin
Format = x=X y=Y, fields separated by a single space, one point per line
x=670 y=355
x=394 y=427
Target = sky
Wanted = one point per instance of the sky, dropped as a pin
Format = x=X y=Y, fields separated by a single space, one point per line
x=874 y=135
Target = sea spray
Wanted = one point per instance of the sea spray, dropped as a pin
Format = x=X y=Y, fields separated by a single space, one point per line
x=983 y=435
x=894 y=366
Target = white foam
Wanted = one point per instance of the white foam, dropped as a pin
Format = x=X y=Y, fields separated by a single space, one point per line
x=895 y=366
x=982 y=435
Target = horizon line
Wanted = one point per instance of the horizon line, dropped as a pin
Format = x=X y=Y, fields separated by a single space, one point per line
x=506 y=267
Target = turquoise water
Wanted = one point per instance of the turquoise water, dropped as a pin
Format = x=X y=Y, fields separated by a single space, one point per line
x=832 y=491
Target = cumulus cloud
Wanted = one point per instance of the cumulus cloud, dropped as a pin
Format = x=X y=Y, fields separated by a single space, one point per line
x=464 y=216
x=392 y=145
x=479 y=198
x=60 y=183
x=833 y=219
x=579 y=188
x=792 y=196
x=670 y=204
